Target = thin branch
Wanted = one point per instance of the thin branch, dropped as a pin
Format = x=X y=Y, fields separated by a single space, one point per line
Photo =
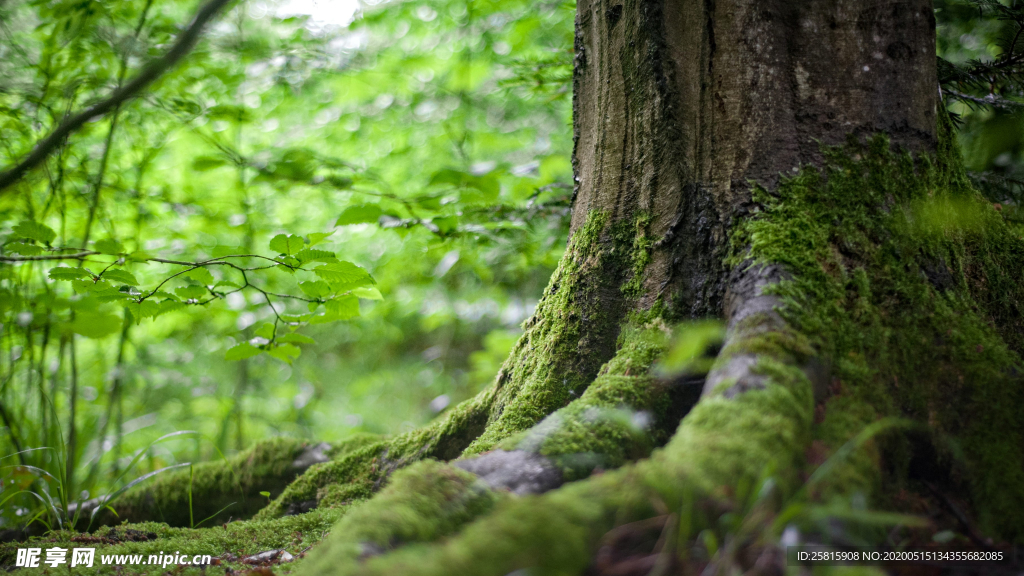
x=184 y=44
x=990 y=100
x=75 y=256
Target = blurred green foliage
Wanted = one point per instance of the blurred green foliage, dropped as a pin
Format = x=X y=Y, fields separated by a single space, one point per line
x=375 y=206
x=981 y=69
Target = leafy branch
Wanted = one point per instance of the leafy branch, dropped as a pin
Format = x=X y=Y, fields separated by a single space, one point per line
x=338 y=288
x=154 y=70
x=995 y=80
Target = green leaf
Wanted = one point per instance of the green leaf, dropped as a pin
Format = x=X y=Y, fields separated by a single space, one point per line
x=368 y=293
x=191 y=292
x=340 y=182
x=82 y=286
x=688 y=350
x=306 y=256
x=65 y=273
x=295 y=318
x=201 y=275
x=344 y=275
x=318 y=237
x=296 y=339
x=95 y=324
x=108 y=246
x=483 y=192
x=359 y=214
x=475 y=189
x=142 y=310
x=230 y=112
x=222 y=251
x=106 y=293
x=122 y=276
x=24 y=249
x=241 y=351
x=446 y=224
x=343 y=307
x=449 y=176
x=285 y=352
x=225 y=284
x=169 y=305
x=140 y=256
x=265 y=331
x=316 y=288
x=34 y=231
x=295 y=164
x=204 y=163
x=286 y=244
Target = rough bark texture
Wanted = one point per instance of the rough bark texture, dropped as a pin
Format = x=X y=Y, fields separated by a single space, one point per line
x=679 y=105
x=857 y=282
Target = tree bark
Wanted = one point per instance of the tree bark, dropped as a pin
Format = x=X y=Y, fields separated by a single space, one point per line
x=680 y=105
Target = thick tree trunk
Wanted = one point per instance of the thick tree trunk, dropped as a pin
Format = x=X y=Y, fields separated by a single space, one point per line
x=680 y=105
x=858 y=281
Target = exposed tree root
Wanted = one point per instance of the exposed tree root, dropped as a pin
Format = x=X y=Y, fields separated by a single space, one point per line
x=218 y=490
x=356 y=475
x=720 y=441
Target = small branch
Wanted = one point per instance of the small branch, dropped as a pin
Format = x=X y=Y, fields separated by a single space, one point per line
x=184 y=44
x=990 y=100
x=76 y=256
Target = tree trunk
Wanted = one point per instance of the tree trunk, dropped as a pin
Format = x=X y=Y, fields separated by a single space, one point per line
x=786 y=166
x=680 y=105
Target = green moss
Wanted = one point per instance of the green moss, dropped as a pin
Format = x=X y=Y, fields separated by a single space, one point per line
x=761 y=335
x=539 y=376
x=357 y=474
x=861 y=239
x=719 y=444
x=620 y=417
x=636 y=234
x=845 y=416
x=352 y=443
x=423 y=503
x=575 y=327
x=222 y=489
x=294 y=534
x=911 y=287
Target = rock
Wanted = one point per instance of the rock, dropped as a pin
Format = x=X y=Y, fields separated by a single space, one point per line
x=517 y=471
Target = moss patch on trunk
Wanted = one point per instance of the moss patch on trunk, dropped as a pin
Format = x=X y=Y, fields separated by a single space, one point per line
x=911 y=286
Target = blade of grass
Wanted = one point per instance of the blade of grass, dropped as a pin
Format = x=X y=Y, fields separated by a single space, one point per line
x=214 y=515
x=126 y=487
x=191 y=477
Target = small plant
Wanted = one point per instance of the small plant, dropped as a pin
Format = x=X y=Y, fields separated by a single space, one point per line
x=67 y=514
